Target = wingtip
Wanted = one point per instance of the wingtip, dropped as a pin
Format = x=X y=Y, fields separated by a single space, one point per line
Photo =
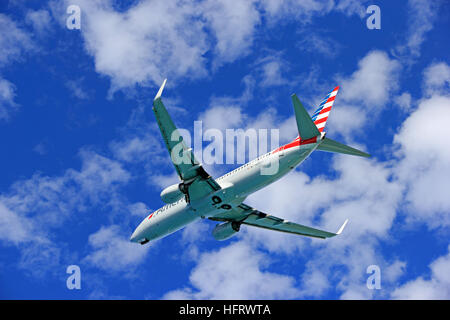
x=342 y=227
x=158 y=95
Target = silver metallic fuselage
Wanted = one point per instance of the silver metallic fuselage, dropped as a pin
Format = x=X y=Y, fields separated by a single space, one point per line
x=235 y=187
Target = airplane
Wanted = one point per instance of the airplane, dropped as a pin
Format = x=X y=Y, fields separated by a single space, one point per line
x=200 y=196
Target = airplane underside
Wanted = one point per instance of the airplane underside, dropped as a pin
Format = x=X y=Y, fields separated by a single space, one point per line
x=198 y=195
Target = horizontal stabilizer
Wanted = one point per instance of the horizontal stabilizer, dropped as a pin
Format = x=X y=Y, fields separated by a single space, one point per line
x=306 y=127
x=334 y=146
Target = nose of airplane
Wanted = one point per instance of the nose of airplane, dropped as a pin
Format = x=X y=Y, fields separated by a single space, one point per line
x=137 y=234
x=134 y=236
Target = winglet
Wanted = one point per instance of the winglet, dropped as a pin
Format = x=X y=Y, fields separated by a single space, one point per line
x=342 y=227
x=158 y=95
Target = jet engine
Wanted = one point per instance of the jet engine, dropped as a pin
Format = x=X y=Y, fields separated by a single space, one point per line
x=225 y=230
x=171 y=194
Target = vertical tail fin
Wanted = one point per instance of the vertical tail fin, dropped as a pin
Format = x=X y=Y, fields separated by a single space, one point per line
x=305 y=125
x=320 y=116
x=312 y=127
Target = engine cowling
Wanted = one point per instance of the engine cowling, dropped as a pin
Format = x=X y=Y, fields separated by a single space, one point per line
x=225 y=230
x=171 y=194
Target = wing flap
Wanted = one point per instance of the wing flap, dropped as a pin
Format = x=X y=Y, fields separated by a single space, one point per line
x=247 y=215
x=278 y=224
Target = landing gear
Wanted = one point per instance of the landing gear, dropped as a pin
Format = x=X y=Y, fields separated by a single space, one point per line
x=144 y=241
x=184 y=189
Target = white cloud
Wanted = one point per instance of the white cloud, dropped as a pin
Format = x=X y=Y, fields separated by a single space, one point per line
x=76 y=89
x=32 y=209
x=373 y=82
x=40 y=258
x=40 y=20
x=271 y=69
x=192 y=234
x=421 y=15
x=98 y=175
x=303 y=11
x=394 y=271
x=41 y=148
x=150 y=41
x=163 y=181
x=195 y=232
x=314 y=43
x=233 y=24
x=12 y=227
x=225 y=111
x=425 y=161
x=112 y=251
x=404 y=101
x=236 y=271
x=362 y=191
x=347 y=120
x=14 y=42
x=137 y=148
x=7 y=94
x=365 y=93
x=138 y=209
x=437 y=78
x=222 y=117
x=434 y=287
x=352 y=7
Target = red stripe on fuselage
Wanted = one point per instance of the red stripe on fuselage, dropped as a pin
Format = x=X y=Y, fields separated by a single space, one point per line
x=295 y=143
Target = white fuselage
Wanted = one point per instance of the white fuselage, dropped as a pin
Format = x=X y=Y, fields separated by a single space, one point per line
x=235 y=187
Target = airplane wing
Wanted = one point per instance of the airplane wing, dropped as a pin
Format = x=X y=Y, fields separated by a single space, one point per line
x=197 y=182
x=245 y=214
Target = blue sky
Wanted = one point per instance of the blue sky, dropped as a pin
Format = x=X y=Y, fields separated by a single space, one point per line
x=83 y=161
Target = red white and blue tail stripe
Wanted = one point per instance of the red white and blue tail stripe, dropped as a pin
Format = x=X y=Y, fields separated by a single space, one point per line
x=320 y=116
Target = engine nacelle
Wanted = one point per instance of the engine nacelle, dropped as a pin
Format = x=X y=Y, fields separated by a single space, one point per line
x=171 y=194
x=225 y=230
